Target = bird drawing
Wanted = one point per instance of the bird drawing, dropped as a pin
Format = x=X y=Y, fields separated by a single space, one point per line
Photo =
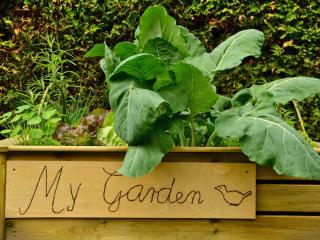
x=232 y=197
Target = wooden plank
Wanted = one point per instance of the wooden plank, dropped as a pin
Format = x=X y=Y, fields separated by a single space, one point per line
x=94 y=189
x=116 y=149
x=263 y=173
x=264 y=227
x=288 y=198
x=2 y=194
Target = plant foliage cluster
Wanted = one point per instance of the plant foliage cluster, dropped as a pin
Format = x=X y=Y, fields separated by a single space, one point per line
x=291 y=29
x=162 y=85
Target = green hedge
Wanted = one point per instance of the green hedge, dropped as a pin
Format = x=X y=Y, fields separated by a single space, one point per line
x=291 y=27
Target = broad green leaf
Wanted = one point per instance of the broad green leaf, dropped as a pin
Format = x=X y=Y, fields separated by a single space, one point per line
x=136 y=109
x=162 y=49
x=50 y=126
x=107 y=135
x=164 y=79
x=229 y=53
x=137 y=36
x=142 y=159
x=201 y=96
x=156 y=23
x=222 y=103
x=34 y=121
x=28 y=115
x=287 y=89
x=141 y=66
x=36 y=133
x=267 y=140
x=16 y=118
x=124 y=50
x=176 y=96
x=20 y=109
x=96 y=51
x=16 y=131
x=46 y=114
x=109 y=62
x=193 y=44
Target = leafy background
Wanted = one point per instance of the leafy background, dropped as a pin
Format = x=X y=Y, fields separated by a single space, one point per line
x=291 y=28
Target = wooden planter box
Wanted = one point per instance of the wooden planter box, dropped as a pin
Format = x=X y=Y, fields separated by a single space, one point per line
x=286 y=207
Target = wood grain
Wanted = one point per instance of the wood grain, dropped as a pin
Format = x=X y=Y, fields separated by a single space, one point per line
x=93 y=189
x=288 y=198
x=2 y=194
x=264 y=227
x=263 y=173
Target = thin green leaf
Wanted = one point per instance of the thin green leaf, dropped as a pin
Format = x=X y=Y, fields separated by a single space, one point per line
x=6 y=131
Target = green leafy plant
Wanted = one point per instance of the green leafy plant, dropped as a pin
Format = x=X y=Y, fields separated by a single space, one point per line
x=162 y=86
x=96 y=128
x=29 y=126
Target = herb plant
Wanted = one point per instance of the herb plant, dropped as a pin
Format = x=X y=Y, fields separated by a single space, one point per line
x=29 y=126
x=162 y=86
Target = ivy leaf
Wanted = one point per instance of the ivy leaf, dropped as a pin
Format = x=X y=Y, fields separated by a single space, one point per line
x=193 y=44
x=136 y=109
x=124 y=50
x=229 y=53
x=268 y=140
x=156 y=23
x=287 y=89
x=162 y=49
x=141 y=66
x=200 y=94
x=142 y=159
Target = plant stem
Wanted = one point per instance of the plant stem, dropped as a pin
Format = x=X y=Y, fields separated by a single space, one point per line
x=193 y=134
x=212 y=136
x=296 y=106
x=182 y=139
x=63 y=101
x=43 y=98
